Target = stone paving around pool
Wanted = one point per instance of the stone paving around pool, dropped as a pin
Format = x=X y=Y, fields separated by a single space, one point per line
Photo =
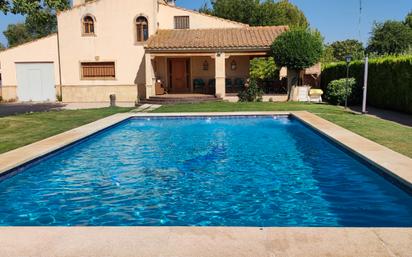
x=204 y=242
x=210 y=241
x=147 y=108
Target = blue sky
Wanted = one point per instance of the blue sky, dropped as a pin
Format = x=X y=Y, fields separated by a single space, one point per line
x=336 y=19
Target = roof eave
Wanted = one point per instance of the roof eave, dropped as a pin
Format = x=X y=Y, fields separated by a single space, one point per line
x=207 y=49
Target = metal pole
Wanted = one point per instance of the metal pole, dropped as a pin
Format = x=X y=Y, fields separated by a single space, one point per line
x=347 y=85
x=365 y=85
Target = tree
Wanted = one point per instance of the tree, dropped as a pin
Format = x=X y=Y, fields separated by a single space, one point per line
x=327 y=56
x=236 y=10
x=2 y=47
x=41 y=24
x=290 y=14
x=17 y=34
x=280 y=13
x=390 y=37
x=31 y=6
x=40 y=20
x=263 y=69
x=408 y=20
x=297 y=49
x=257 y=13
x=347 y=47
x=205 y=9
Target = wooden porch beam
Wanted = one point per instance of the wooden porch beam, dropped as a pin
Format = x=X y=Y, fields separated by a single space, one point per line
x=211 y=55
x=171 y=55
x=248 y=54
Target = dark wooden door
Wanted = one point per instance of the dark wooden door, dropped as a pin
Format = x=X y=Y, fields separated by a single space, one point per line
x=179 y=76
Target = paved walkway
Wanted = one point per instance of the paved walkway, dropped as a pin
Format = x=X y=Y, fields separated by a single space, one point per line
x=398 y=117
x=147 y=108
x=79 y=106
x=7 y=109
x=204 y=242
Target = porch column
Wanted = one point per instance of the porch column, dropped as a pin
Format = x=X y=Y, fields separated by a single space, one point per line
x=220 y=74
x=150 y=76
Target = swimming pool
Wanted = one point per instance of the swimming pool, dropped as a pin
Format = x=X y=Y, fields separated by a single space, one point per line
x=203 y=171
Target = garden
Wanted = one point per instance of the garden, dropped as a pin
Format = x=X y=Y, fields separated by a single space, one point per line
x=389 y=70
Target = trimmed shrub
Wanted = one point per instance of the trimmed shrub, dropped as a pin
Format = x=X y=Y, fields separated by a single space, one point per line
x=389 y=81
x=251 y=93
x=297 y=49
x=264 y=69
x=336 y=90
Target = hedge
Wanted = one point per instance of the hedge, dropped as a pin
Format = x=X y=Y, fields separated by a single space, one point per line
x=389 y=81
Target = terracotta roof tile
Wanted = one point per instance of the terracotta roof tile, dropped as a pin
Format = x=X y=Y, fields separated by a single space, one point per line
x=225 y=38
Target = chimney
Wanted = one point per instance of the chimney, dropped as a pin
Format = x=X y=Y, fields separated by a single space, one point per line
x=171 y=2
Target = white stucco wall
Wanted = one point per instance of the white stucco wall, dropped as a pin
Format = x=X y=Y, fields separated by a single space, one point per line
x=197 y=20
x=242 y=67
x=77 y=2
x=41 y=50
x=115 y=36
x=114 y=40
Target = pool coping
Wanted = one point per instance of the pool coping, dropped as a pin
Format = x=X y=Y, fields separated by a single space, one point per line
x=203 y=242
x=210 y=241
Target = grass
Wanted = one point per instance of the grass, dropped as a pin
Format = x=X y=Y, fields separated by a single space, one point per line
x=392 y=135
x=20 y=130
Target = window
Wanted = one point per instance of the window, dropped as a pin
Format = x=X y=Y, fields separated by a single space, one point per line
x=88 y=25
x=182 y=22
x=142 y=27
x=93 y=70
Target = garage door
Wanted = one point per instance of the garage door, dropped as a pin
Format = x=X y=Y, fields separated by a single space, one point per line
x=35 y=82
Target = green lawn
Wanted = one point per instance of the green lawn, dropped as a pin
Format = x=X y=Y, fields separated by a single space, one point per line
x=390 y=134
x=20 y=130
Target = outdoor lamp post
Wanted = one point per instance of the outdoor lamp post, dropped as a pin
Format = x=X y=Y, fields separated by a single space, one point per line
x=348 y=59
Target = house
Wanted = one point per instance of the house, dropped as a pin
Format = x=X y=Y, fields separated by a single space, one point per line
x=129 y=48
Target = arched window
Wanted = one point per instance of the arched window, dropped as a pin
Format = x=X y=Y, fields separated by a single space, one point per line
x=88 y=25
x=142 y=27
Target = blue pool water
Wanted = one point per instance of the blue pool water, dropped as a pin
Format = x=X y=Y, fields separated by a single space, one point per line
x=243 y=171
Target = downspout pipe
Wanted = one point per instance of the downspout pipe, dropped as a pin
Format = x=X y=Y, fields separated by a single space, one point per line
x=60 y=66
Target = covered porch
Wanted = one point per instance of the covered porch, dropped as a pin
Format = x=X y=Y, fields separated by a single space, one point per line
x=218 y=74
x=210 y=61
